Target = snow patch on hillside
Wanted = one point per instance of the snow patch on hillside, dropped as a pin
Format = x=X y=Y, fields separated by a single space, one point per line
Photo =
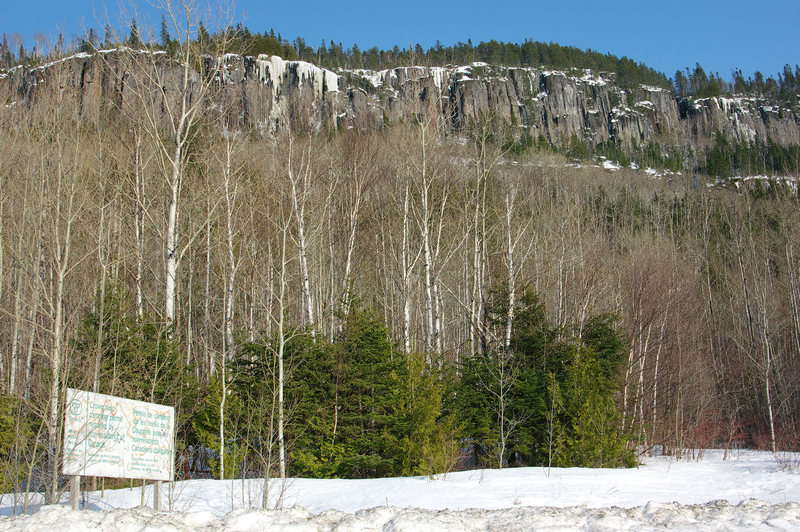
x=609 y=165
x=791 y=182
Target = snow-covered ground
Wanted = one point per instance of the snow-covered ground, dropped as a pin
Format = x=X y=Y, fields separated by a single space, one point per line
x=748 y=491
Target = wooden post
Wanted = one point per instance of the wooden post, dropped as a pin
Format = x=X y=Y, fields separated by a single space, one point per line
x=75 y=492
x=157 y=495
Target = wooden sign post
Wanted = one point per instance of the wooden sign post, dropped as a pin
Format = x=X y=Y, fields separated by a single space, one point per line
x=75 y=492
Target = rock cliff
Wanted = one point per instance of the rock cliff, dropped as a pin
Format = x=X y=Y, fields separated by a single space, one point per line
x=267 y=93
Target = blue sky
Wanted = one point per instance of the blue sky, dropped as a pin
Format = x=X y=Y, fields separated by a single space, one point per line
x=721 y=35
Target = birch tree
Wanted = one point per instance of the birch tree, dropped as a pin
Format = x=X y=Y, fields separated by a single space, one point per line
x=169 y=110
x=300 y=184
x=60 y=159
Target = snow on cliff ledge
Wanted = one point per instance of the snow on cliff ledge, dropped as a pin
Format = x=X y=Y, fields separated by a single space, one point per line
x=275 y=70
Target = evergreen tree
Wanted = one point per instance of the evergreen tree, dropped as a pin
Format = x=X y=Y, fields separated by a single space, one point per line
x=739 y=85
x=133 y=37
x=681 y=85
x=758 y=83
x=16 y=438
x=165 y=39
x=698 y=80
x=360 y=407
x=205 y=427
x=5 y=53
x=562 y=404
x=203 y=38
x=370 y=372
x=138 y=358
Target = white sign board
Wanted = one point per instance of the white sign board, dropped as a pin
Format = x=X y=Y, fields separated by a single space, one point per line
x=108 y=436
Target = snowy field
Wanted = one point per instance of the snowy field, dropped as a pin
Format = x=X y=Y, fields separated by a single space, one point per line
x=748 y=491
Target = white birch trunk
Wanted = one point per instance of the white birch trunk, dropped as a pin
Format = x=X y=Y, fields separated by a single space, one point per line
x=424 y=224
x=299 y=209
x=406 y=275
x=655 y=371
x=511 y=273
x=138 y=221
x=231 y=191
x=352 y=228
x=428 y=267
x=101 y=311
x=224 y=382
x=172 y=254
x=12 y=364
x=33 y=309
x=280 y=354
x=61 y=247
x=640 y=389
x=208 y=355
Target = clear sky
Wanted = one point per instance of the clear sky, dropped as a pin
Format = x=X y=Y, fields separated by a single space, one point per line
x=719 y=34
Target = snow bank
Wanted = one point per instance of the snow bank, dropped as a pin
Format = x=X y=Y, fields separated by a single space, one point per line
x=719 y=515
x=747 y=491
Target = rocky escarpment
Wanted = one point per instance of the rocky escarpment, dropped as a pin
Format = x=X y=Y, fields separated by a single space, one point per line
x=267 y=94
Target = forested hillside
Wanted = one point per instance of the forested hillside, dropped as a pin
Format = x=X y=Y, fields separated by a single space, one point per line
x=377 y=301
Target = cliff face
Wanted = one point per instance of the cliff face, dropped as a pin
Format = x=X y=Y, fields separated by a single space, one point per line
x=268 y=93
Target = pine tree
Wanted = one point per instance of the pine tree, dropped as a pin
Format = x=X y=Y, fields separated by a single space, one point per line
x=739 y=85
x=698 y=80
x=203 y=38
x=759 y=83
x=133 y=38
x=165 y=39
x=681 y=85
x=5 y=55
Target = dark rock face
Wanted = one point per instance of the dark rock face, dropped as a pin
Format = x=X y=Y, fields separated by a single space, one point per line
x=267 y=94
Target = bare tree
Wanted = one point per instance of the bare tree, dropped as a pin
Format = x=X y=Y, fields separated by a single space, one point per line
x=231 y=187
x=168 y=111
x=515 y=232
x=502 y=376
x=60 y=157
x=300 y=182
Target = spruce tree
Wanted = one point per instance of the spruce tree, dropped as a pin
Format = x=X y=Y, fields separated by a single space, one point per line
x=203 y=38
x=133 y=38
x=5 y=55
x=681 y=85
x=165 y=39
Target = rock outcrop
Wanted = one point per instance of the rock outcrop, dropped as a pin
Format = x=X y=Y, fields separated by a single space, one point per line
x=267 y=94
